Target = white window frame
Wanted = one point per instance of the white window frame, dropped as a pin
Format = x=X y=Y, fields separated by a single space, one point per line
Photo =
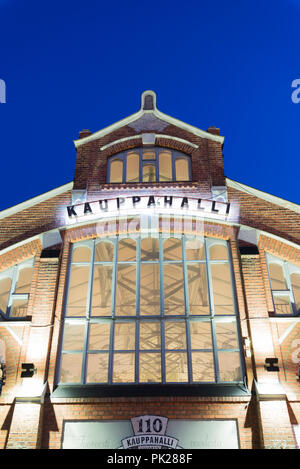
x=161 y=319
x=13 y=274
x=288 y=269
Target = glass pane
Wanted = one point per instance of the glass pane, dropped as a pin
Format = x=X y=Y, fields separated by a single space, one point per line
x=282 y=304
x=176 y=367
x=182 y=169
x=126 y=290
x=226 y=335
x=198 y=292
x=5 y=284
x=200 y=335
x=172 y=249
x=24 y=280
x=229 y=365
x=149 y=249
x=102 y=285
x=295 y=280
x=218 y=252
x=194 y=250
x=78 y=287
x=116 y=171
x=127 y=250
x=73 y=336
x=81 y=254
x=150 y=367
x=149 y=155
x=132 y=168
x=70 y=371
x=150 y=289
x=149 y=173
x=18 y=308
x=165 y=166
x=149 y=335
x=124 y=336
x=97 y=368
x=99 y=336
x=222 y=290
x=173 y=289
x=203 y=366
x=104 y=252
x=175 y=335
x=123 y=368
x=277 y=277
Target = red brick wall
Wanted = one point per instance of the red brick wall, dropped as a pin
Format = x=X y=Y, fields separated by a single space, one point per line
x=174 y=408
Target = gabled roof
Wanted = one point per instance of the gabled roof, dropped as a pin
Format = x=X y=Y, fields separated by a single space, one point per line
x=147 y=112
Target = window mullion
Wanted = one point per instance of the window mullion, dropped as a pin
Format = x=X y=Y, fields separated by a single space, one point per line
x=88 y=314
x=209 y=278
x=114 y=277
x=215 y=351
x=14 y=278
x=90 y=286
x=85 y=353
x=111 y=352
x=187 y=310
x=138 y=276
x=137 y=351
x=124 y=159
x=289 y=286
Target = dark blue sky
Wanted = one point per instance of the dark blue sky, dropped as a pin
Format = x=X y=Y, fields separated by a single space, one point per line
x=70 y=65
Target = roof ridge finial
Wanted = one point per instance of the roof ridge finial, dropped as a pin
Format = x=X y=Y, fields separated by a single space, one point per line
x=148 y=101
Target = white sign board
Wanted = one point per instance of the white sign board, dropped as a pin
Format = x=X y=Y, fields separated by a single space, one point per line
x=151 y=432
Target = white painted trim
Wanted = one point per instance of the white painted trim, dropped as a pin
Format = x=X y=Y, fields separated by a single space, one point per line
x=263 y=195
x=160 y=115
x=120 y=140
x=177 y=139
x=90 y=222
x=188 y=127
x=109 y=129
x=36 y=200
x=140 y=136
x=278 y=238
x=291 y=319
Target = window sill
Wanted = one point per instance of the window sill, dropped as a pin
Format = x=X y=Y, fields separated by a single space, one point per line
x=150 y=390
x=11 y=321
x=141 y=184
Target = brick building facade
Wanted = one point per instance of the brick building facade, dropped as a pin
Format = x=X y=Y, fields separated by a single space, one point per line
x=151 y=296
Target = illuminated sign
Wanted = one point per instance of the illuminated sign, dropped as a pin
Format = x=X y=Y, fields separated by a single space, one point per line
x=151 y=431
x=159 y=204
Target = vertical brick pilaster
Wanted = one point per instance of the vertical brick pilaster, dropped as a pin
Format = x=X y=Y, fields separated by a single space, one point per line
x=42 y=316
x=25 y=428
x=276 y=428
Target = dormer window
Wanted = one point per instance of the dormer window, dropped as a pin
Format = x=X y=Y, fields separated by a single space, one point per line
x=149 y=165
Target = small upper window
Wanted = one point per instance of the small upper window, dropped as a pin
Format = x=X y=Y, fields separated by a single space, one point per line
x=285 y=285
x=149 y=165
x=15 y=286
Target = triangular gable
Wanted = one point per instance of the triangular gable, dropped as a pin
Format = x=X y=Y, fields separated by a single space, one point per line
x=149 y=118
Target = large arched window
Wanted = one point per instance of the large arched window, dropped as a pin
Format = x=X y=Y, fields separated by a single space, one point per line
x=150 y=310
x=149 y=165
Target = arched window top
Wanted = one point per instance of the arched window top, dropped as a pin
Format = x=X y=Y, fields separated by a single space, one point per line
x=149 y=165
